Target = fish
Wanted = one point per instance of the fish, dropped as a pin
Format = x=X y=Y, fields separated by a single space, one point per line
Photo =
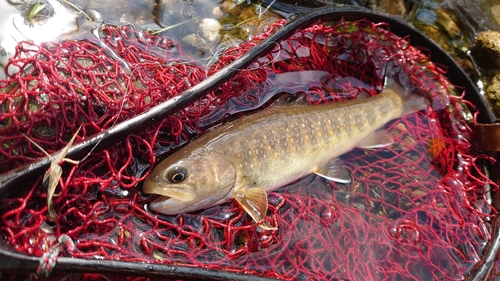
x=247 y=158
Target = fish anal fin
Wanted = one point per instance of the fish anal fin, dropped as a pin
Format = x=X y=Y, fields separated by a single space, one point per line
x=254 y=202
x=335 y=170
x=379 y=138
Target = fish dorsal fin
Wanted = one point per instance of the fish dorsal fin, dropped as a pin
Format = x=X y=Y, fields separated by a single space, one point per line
x=379 y=138
x=254 y=202
x=336 y=171
x=291 y=100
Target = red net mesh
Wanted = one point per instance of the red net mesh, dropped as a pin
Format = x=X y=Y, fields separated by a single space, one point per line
x=417 y=210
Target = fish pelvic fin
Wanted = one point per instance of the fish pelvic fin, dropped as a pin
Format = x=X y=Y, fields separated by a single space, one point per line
x=412 y=102
x=254 y=202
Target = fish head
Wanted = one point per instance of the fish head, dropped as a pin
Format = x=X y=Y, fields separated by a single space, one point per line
x=190 y=183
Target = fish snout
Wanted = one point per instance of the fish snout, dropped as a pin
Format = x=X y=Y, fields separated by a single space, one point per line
x=152 y=184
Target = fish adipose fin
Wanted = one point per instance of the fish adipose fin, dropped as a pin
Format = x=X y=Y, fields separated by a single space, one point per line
x=336 y=171
x=254 y=202
x=377 y=139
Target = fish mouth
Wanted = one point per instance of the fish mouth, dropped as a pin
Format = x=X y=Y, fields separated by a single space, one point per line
x=168 y=205
x=178 y=193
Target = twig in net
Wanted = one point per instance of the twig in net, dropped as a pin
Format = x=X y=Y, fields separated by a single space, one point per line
x=54 y=172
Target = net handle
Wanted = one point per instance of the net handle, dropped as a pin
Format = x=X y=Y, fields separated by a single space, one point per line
x=487 y=136
x=12 y=262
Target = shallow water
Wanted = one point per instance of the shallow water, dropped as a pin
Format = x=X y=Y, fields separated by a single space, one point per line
x=451 y=23
x=201 y=28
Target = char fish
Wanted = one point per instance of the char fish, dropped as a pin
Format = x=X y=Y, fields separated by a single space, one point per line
x=246 y=158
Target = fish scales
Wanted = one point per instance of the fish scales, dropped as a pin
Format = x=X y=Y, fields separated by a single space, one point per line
x=248 y=157
x=282 y=139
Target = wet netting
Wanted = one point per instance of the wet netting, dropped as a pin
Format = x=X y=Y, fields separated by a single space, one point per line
x=416 y=210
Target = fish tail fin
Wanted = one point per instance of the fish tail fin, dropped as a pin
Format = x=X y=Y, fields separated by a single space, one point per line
x=411 y=101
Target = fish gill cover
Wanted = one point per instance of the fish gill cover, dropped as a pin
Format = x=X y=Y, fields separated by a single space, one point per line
x=417 y=209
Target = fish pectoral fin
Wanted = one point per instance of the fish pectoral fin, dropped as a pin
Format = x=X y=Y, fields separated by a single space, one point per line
x=254 y=202
x=336 y=171
x=379 y=138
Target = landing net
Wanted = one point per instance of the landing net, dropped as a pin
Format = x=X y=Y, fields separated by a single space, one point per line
x=417 y=210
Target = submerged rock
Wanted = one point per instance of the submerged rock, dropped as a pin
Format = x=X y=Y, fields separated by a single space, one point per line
x=486 y=50
x=493 y=92
x=486 y=55
x=478 y=15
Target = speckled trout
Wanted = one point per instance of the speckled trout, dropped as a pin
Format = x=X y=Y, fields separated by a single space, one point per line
x=261 y=152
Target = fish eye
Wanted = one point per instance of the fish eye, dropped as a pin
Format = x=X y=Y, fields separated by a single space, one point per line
x=177 y=174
